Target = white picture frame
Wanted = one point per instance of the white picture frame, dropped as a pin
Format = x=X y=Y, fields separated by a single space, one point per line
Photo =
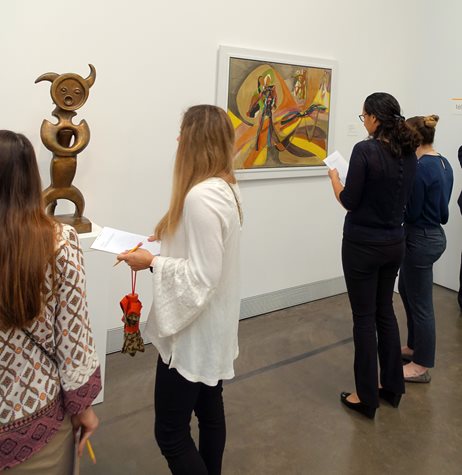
x=234 y=63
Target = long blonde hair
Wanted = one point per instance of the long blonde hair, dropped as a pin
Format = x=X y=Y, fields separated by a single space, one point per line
x=205 y=150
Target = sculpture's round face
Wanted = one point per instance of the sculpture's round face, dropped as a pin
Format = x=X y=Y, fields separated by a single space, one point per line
x=69 y=93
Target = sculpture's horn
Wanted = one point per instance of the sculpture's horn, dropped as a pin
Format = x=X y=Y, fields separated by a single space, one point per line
x=91 y=78
x=47 y=77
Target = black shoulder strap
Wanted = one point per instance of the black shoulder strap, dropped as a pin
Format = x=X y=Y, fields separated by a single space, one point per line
x=40 y=347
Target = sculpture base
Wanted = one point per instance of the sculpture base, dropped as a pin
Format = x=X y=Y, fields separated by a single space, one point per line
x=82 y=225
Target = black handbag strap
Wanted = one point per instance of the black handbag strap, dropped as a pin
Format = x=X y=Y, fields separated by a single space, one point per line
x=41 y=347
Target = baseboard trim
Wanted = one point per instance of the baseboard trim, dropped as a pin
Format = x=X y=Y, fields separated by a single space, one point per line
x=279 y=299
x=260 y=304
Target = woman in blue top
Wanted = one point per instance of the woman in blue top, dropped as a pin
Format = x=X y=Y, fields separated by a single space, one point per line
x=426 y=211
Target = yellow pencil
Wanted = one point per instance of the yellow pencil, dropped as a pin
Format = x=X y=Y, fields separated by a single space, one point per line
x=133 y=249
x=90 y=451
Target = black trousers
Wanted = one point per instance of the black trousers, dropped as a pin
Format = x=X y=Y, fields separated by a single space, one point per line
x=459 y=294
x=370 y=273
x=459 y=202
x=175 y=399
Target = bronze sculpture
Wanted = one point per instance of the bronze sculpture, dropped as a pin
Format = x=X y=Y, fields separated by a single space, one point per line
x=65 y=140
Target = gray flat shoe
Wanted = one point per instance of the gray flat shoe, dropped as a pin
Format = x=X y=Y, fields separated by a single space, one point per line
x=422 y=378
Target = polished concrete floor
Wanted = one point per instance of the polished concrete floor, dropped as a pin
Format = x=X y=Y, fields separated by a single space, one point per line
x=283 y=411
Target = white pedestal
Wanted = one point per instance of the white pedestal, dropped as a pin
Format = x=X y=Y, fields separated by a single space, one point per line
x=97 y=266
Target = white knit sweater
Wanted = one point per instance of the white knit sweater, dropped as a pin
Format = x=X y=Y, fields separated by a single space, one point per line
x=194 y=316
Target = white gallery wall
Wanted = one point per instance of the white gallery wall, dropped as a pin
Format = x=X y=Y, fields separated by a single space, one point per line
x=154 y=59
x=438 y=80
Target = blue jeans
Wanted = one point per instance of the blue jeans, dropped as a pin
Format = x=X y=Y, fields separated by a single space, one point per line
x=423 y=248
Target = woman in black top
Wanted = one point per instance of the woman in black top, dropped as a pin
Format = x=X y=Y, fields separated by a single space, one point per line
x=378 y=184
x=459 y=202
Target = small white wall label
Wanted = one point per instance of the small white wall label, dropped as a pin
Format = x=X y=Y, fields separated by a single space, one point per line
x=456 y=105
x=352 y=130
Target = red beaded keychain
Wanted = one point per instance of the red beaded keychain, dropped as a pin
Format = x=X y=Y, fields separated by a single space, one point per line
x=131 y=307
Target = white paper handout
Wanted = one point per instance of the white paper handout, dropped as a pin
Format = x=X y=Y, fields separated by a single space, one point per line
x=116 y=241
x=336 y=160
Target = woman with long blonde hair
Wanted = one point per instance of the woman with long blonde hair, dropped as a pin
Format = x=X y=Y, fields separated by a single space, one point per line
x=194 y=317
x=49 y=370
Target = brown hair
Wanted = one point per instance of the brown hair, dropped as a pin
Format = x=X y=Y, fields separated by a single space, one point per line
x=205 y=150
x=425 y=127
x=27 y=234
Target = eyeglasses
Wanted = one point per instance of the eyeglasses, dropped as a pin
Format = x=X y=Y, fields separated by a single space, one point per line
x=361 y=116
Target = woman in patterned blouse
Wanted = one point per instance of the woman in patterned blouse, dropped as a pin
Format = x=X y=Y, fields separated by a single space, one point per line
x=49 y=371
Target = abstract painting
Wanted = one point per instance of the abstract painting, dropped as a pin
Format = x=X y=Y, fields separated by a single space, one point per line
x=280 y=107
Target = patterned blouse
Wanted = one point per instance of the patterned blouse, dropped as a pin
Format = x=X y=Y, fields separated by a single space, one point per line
x=52 y=371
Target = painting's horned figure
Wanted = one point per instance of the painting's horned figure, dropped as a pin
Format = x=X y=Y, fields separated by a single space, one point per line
x=66 y=139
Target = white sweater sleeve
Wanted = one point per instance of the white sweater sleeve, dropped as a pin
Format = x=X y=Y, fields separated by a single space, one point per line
x=182 y=287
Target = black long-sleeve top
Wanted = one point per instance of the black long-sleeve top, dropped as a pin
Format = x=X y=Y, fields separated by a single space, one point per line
x=377 y=188
x=459 y=200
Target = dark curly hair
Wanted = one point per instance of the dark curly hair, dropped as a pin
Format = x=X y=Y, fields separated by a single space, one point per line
x=392 y=127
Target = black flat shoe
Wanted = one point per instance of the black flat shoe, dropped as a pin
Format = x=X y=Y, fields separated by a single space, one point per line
x=360 y=407
x=390 y=397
